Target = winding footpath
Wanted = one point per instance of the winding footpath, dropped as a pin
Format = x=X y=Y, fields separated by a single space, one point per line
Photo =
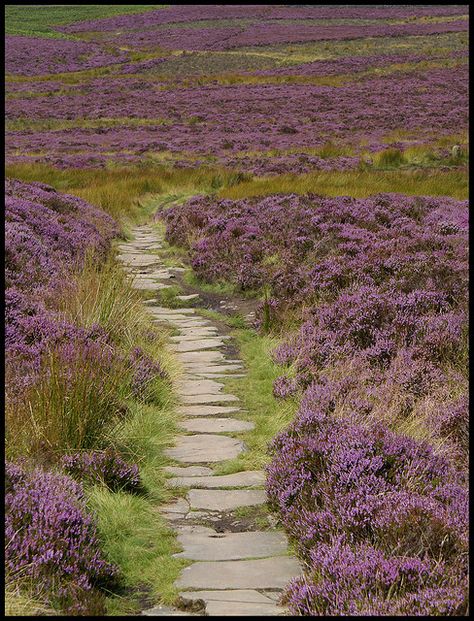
x=239 y=567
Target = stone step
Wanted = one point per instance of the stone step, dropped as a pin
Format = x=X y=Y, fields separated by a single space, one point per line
x=205 y=544
x=200 y=386
x=198 y=345
x=205 y=448
x=216 y=425
x=248 y=478
x=267 y=573
x=219 y=398
x=241 y=602
x=206 y=410
x=225 y=499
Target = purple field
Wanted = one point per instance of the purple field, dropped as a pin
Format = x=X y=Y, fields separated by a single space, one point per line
x=309 y=160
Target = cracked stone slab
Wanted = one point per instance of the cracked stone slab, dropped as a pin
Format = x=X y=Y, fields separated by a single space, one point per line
x=267 y=573
x=248 y=478
x=204 y=333
x=205 y=448
x=216 y=425
x=206 y=410
x=198 y=345
x=241 y=609
x=216 y=546
x=225 y=499
x=194 y=387
x=249 y=596
x=195 y=399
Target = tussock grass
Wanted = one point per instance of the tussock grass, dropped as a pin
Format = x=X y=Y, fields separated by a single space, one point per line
x=358 y=183
x=255 y=391
x=124 y=192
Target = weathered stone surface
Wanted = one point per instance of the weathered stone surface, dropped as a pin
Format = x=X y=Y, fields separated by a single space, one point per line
x=216 y=425
x=222 y=367
x=215 y=546
x=138 y=260
x=162 y=310
x=225 y=499
x=241 y=609
x=149 y=284
x=201 y=386
x=184 y=298
x=195 y=335
x=205 y=448
x=219 y=398
x=267 y=573
x=206 y=410
x=201 y=356
x=167 y=611
x=248 y=596
x=248 y=478
x=188 y=471
x=198 y=345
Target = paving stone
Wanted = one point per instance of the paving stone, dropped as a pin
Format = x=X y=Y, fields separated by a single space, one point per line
x=198 y=345
x=188 y=471
x=241 y=609
x=195 y=387
x=173 y=311
x=214 y=546
x=138 y=260
x=212 y=368
x=167 y=611
x=225 y=499
x=267 y=573
x=206 y=410
x=248 y=478
x=215 y=425
x=194 y=335
x=249 y=596
x=221 y=375
x=184 y=298
x=205 y=448
x=219 y=398
x=201 y=356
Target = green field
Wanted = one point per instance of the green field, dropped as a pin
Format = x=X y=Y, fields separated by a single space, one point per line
x=41 y=20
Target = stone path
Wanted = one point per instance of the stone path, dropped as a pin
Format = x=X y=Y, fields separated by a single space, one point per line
x=239 y=568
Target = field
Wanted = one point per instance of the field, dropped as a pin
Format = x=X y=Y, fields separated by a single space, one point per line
x=311 y=161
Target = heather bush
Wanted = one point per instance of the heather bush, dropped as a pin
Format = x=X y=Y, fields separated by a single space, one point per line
x=51 y=539
x=106 y=467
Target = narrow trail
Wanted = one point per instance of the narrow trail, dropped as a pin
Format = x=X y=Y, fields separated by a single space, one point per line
x=239 y=566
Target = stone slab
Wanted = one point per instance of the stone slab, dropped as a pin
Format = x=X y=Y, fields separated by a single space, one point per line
x=248 y=478
x=188 y=471
x=195 y=387
x=198 y=345
x=206 y=410
x=215 y=425
x=268 y=573
x=249 y=596
x=201 y=356
x=205 y=448
x=225 y=499
x=241 y=609
x=215 y=546
x=219 y=398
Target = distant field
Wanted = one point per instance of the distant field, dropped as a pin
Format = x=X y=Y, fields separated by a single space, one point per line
x=40 y=20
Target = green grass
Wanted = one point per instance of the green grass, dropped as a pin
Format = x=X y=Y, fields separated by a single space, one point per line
x=59 y=124
x=39 y=21
x=357 y=183
x=255 y=393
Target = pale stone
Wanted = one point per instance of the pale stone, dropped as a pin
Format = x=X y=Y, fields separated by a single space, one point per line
x=225 y=499
x=213 y=546
x=188 y=471
x=198 y=345
x=248 y=478
x=181 y=506
x=184 y=298
x=216 y=425
x=195 y=387
x=206 y=410
x=248 y=596
x=201 y=356
x=205 y=448
x=268 y=573
x=194 y=399
x=240 y=609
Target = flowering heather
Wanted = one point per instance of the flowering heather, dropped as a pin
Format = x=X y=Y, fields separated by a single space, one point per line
x=46 y=236
x=145 y=371
x=380 y=519
x=105 y=467
x=51 y=539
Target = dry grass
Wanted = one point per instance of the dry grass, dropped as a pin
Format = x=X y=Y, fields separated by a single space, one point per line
x=357 y=183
